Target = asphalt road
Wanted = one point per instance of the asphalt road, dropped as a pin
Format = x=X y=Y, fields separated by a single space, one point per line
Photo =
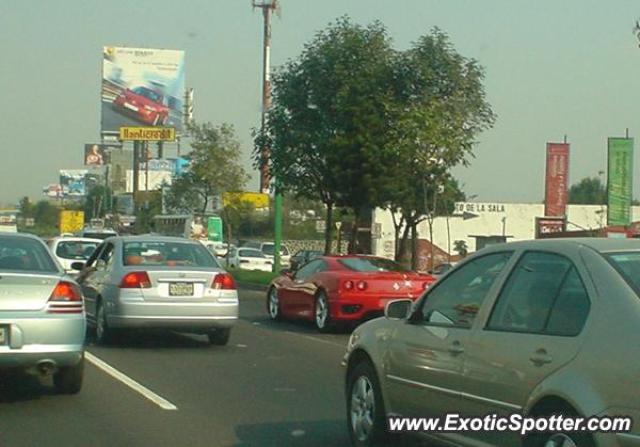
x=275 y=384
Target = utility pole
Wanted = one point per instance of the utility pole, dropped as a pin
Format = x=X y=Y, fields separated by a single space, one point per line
x=269 y=6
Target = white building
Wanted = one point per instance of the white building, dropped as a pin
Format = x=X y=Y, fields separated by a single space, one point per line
x=515 y=221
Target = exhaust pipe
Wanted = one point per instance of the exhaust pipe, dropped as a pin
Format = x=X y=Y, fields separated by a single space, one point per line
x=46 y=367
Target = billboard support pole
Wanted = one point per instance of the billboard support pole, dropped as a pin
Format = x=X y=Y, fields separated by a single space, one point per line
x=136 y=174
x=160 y=150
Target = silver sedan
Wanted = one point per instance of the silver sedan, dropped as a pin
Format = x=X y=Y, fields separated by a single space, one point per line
x=154 y=282
x=42 y=320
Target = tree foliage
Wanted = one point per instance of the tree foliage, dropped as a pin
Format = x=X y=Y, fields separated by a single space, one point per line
x=214 y=168
x=588 y=191
x=360 y=125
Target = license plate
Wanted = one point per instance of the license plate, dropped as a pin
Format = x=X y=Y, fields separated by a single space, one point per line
x=180 y=289
x=130 y=107
x=3 y=335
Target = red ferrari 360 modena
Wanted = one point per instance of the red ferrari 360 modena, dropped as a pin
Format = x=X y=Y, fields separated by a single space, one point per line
x=347 y=289
x=144 y=104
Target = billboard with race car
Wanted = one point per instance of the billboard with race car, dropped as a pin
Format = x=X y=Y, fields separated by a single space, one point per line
x=142 y=87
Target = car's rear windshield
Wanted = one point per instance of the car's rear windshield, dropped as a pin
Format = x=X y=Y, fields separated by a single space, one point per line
x=25 y=255
x=269 y=250
x=98 y=235
x=170 y=254
x=628 y=264
x=371 y=265
x=80 y=250
x=250 y=253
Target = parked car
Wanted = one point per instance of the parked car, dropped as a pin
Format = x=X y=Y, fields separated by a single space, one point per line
x=219 y=249
x=42 y=321
x=538 y=328
x=249 y=259
x=157 y=282
x=68 y=250
x=301 y=257
x=349 y=289
x=146 y=105
x=268 y=248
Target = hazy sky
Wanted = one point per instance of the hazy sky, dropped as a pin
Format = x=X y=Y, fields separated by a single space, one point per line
x=552 y=68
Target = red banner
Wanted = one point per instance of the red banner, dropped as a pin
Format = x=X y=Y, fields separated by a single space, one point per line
x=557 y=177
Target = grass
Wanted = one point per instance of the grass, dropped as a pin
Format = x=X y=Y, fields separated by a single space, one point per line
x=252 y=276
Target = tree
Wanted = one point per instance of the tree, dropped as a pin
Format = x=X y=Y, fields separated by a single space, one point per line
x=328 y=111
x=214 y=168
x=588 y=191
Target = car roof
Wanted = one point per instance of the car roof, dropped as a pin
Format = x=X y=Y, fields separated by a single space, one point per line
x=75 y=239
x=601 y=245
x=21 y=235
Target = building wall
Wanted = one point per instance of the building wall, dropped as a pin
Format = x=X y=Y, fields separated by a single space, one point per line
x=519 y=224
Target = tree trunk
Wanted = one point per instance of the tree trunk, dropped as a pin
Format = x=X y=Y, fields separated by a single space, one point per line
x=414 y=247
x=402 y=251
x=353 y=238
x=328 y=231
x=397 y=226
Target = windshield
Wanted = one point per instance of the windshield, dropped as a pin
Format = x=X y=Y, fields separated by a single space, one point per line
x=269 y=250
x=250 y=253
x=75 y=249
x=170 y=254
x=371 y=265
x=25 y=254
x=149 y=94
x=628 y=264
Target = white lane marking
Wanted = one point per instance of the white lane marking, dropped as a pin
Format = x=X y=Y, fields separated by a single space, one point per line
x=298 y=433
x=139 y=388
x=309 y=337
x=241 y=345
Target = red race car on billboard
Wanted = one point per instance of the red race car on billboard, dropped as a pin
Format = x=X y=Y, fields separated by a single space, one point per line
x=144 y=104
x=342 y=289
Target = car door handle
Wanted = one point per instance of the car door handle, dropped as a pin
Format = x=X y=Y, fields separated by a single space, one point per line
x=540 y=357
x=456 y=348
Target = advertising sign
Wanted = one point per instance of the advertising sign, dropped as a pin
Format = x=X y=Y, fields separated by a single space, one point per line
x=549 y=225
x=258 y=200
x=71 y=221
x=214 y=229
x=159 y=164
x=147 y=134
x=142 y=87
x=97 y=154
x=619 y=180
x=557 y=178
x=72 y=182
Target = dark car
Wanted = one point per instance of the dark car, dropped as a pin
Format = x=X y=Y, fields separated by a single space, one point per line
x=302 y=257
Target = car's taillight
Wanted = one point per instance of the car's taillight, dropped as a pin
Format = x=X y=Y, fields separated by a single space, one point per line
x=361 y=285
x=66 y=298
x=347 y=285
x=135 y=280
x=223 y=281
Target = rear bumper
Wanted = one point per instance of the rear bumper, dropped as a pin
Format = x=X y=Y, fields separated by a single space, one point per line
x=194 y=316
x=48 y=337
x=351 y=307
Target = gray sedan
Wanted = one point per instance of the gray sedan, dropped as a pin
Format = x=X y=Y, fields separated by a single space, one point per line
x=534 y=328
x=154 y=282
x=42 y=320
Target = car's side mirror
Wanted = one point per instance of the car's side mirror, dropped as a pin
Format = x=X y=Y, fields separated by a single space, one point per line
x=78 y=265
x=398 y=309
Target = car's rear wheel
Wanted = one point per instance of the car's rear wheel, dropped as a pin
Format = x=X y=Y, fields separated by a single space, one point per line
x=219 y=337
x=68 y=379
x=273 y=304
x=365 y=408
x=104 y=334
x=322 y=313
x=559 y=439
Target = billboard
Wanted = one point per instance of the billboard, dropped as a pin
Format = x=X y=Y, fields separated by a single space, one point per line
x=257 y=199
x=142 y=87
x=549 y=225
x=72 y=182
x=556 y=180
x=214 y=228
x=619 y=180
x=71 y=221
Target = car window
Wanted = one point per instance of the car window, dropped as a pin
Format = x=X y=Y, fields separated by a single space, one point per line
x=250 y=253
x=628 y=265
x=310 y=269
x=371 y=264
x=78 y=250
x=92 y=259
x=25 y=255
x=168 y=254
x=457 y=299
x=107 y=255
x=531 y=292
x=571 y=307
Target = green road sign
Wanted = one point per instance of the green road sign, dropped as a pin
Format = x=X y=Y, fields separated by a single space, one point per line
x=214 y=228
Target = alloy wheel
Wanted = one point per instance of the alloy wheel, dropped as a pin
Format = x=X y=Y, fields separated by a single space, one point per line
x=322 y=311
x=362 y=408
x=274 y=303
x=560 y=440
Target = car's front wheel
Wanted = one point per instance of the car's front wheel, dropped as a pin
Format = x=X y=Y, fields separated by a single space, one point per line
x=273 y=304
x=104 y=334
x=68 y=379
x=219 y=337
x=365 y=408
x=560 y=439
